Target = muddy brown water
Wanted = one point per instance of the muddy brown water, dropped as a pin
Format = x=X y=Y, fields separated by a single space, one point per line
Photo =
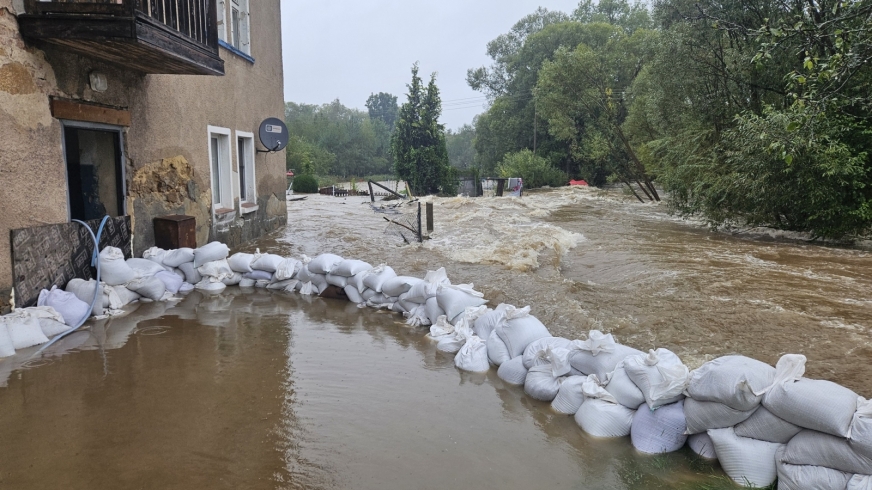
x=260 y=389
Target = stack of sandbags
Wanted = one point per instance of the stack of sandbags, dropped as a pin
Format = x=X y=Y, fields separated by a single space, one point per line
x=19 y=331
x=50 y=321
x=423 y=290
x=453 y=300
x=210 y=262
x=513 y=331
x=350 y=274
x=835 y=427
x=600 y=414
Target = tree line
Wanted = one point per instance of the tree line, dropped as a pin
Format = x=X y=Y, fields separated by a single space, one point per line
x=753 y=112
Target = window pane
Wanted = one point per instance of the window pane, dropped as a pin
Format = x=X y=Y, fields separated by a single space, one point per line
x=241 y=152
x=216 y=184
x=234 y=26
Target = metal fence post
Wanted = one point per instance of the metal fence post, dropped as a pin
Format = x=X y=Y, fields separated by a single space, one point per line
x=420 y=237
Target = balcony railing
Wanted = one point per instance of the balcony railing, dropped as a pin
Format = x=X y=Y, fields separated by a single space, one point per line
x=152 y=36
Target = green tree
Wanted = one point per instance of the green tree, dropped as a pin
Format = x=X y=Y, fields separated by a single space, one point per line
x=534 y=170
x=418 y=142
x=461 y=149
x=383 y=106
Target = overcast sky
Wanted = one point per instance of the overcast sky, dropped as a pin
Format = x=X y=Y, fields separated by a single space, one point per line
x=348 y=49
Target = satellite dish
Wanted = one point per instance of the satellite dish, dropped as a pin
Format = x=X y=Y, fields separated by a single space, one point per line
x=273 y=134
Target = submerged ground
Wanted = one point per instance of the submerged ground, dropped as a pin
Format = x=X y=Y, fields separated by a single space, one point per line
x=261 y=389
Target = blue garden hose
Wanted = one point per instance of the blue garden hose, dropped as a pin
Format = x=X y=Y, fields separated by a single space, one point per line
x=95 y=262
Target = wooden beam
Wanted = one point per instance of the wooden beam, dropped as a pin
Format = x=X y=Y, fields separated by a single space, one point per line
x=77 y=111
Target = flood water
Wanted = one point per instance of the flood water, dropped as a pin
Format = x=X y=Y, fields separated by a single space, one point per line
x=260 y=389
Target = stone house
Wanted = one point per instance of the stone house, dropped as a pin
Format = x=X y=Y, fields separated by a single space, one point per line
x=138 y=108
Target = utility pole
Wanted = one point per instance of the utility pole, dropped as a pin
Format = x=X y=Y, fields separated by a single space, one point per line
x=535 y=123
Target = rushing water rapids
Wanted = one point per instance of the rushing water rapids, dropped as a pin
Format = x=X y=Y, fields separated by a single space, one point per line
x=260 y=389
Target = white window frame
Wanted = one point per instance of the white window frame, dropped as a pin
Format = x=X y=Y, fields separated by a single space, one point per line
x=244 y=34
x=225 y=169
x=250 y=173
x=222 y=20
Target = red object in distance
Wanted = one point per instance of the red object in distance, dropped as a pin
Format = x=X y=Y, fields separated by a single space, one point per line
x=577 y=182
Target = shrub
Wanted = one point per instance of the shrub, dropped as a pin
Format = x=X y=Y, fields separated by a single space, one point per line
x=305 y=184
x=535 y=170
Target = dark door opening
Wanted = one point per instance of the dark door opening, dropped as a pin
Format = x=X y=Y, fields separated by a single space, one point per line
x=94 y=173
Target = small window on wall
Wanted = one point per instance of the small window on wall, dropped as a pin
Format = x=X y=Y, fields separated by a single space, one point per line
x=245 y=162
x=240 y=37
x=95 y=173
x=220 y=170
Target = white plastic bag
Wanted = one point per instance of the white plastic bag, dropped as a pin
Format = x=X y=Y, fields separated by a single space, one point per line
x=543 y=381
x=113 y=268
x=659 y=431
x=456 y=340
x=570 y=396
x=177 y=257
x=660 y=375
x=534 y=354
x=219 y=269
x=287 y=269
x=472 y=356
x=417 y=317
x=210 y=252
x=154 y=254
x=599 y=354
x=745 y=460
x=513 y=371
x=520 y=329
x=731 y=380
x=815 y=404
x=67 y=304
x=240 y=262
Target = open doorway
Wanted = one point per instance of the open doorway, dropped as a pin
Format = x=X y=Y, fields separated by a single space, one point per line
x=95 y=173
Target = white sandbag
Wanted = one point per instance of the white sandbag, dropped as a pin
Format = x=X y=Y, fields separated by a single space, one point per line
x=486 y=323
x=731 y=380
x=520 y=329
x=860 y=482
x=380 y=300
x=51 y=327
x=350 y=268
x=267 y=262
x=818 y=449
x=6 y=347
x=702 y=416
x=497 y=352
x=218 y=269
x=416 y=317
x=601 y=418
x=357 y=280
x=246 y=283
x=155 y=254
x=861 y=429
x=287 y=269
x=324 y=263
x=811 y=403
x=472 y=356
x=125 y=295
x=307 y=288
x=805 y=477
x=177 y=257
x=433 y=311
x=50 y=321
x=377 y=276
x=401 y=300
x=513 y=371
x=441 y=329
x=660 y=375
x=232 y=279
x=148 y=287
x=570 y=396
x=398 y=285
x=456 y=340
x=353 y=294
x=179 y=273
x=470 y=315
x=543 y=381
x=701 y=444
x=210 y=285
x=172 y=282
x=745 y=460
x=144 y=267
x=429 y=287
x=240 y=262
x=396 y=307
x=262 y=284
x=67 y=304
x=113 y=268
x=84 y=290
x=264 y=276
x=209 y=253
x=455 y=299
x=24 y=331
x=186 y=287
x=659 y=431
x=765 y=426
x=623 y=388
x=286 y=285
x=534 y=354
x=192 y=275
x=599 y=354
x=367 y=294
x=338 y=281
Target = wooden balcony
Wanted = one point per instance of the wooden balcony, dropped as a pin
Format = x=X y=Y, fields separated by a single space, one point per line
x=151 y=36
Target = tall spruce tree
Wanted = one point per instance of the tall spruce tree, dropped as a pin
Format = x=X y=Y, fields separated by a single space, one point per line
x=418 y=141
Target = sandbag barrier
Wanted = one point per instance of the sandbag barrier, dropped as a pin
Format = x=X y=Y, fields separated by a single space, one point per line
x=761 y=422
